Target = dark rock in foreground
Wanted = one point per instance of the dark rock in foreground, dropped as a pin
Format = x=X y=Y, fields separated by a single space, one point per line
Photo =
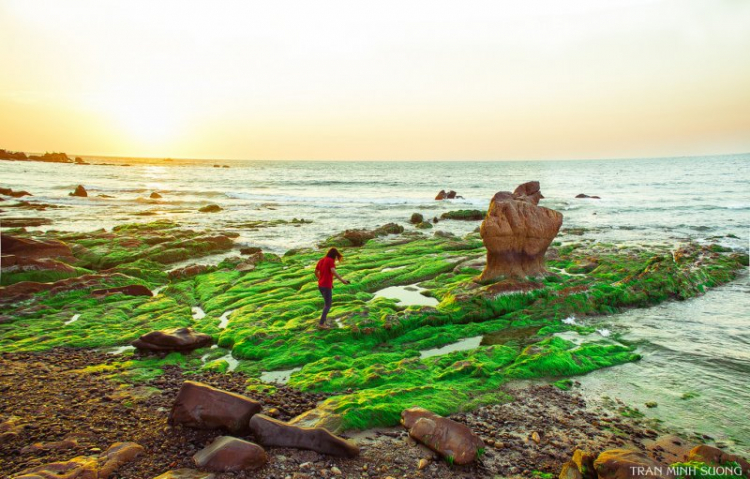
x=627 y=464
x=176 y=339
x=270 y=432
x=87 y=467
x=228 y=454
x=201 y=406
x=452 y=440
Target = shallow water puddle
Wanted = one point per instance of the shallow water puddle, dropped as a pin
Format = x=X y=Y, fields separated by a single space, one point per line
x=198 y=313
x=224 y=319
x=278 y=377
x=510 y=336
x=409 y=295
x=392 y=269
x=72 y=320
x=463 y=345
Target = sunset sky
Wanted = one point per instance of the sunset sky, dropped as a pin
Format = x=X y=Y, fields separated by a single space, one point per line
x=538 y=79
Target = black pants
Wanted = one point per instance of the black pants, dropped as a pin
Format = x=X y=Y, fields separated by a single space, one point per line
x=328 y=298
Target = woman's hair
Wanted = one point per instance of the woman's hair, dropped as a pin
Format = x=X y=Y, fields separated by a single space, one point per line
x=334 y=254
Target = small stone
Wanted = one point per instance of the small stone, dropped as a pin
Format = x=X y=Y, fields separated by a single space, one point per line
x=651 y=404
x=535 y=437
x=336 y=471
x=423 y=463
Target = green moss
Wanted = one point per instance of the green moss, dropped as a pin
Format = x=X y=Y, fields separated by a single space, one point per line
x=465 y=215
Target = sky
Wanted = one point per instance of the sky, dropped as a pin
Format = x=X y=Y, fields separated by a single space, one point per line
x=386 y=80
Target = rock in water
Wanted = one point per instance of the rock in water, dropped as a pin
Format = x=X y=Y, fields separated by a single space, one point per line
x=84 y=467
x=441 y=195
x=713 y=455
x=80 y=191
x=454 y=441
x=517 y=233
x=176 y=339
x=270 y=432
x=626 y=464
x=155 y=195
x=227 y=454
x=200 y=406
x=130 y=290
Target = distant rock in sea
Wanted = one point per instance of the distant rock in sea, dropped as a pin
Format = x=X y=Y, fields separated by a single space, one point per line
x=80 y=191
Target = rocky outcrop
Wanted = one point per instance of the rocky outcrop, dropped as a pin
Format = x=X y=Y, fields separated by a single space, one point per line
x=581 y=466
x=517 y=233
x=176 y=339
x=14 y=194
x=465 y=215
x=201 y=406
x=80 y=191
x=87 y=467
x=270 y=432
x=715 y=456
x=441 y=195
x=227 y=454
x=210 y=209
x=129 y=290
x=12 y=263
x=29 y=248
x=250 y=250
x=155 y=195
x=187 y=271
x=360 y=237
x=582 y=195
x=416 y=218
x=24 y=289
x=627 y=464
x=452 y=440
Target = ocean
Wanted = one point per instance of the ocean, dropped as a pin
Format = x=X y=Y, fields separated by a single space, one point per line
x=696 y=362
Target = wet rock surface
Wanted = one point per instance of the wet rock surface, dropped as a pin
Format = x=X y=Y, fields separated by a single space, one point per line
x=271 y=432
x=229 y=454
x=201 y=406
x=452 y=440
x=174 y=339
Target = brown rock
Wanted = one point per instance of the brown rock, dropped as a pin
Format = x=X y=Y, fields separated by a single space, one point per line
x=228 y=454
x=270 y=432
x=201 y=406
x=29 y=248
x=581 y=466
x=626 y=464
x=451 y=195
x=129 y=290
x=14 y=194
x=80 y=191
x=442 y=195
x=175 y=339
x=517 y=233
x=250 y=250
x=186 y=474
x=25 y=289
x=87 y=467
x=531 y=190
x=155 y=195
x=12 y=263
x=444 y=436
x=187 y=271
x=320 y=417
x=715 y=456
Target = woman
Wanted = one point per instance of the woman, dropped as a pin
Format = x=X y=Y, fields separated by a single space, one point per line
x=325 y=271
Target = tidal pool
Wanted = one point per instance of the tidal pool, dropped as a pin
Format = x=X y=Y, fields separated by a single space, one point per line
x=409 y=295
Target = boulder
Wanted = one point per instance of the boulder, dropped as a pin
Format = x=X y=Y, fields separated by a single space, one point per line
x=155 y=195
x=187 y=271
x=270 y=432
x=14 y=194
x=129 y=290
x=441 y=195
x=424 y=225
x=80 y=191
x=201 y=406
x=87 y=467
x=227 y=454
x=250 y=250
x=517 y=233
x=176 y=339
x=715 y=456
x=210 y=209
x=451 y=195
x=452 y=440
x=582 y=195
x=29 y=248
x=627 y=464
x=416 y=218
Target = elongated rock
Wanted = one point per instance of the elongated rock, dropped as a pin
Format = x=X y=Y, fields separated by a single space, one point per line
x=85 y=467
x=227 y=454
x=517 y=233
x=452 y=440
x=270 y=432
x=201 y=406
x=174 y=339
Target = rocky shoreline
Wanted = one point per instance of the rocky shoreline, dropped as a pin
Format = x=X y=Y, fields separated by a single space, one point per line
x=61 y=412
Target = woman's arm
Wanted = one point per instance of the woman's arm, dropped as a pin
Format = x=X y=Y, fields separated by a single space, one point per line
x=333 y=270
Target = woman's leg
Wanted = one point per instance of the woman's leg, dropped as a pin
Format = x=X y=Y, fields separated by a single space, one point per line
x=328 y=299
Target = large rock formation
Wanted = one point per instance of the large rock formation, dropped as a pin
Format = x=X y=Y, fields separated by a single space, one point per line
x=200 y=406
x=228 y=454
x=270 y=432
x=175 y=339
x=29 y=248
x=627 y=464
x=452 y=440
x=517 y=232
